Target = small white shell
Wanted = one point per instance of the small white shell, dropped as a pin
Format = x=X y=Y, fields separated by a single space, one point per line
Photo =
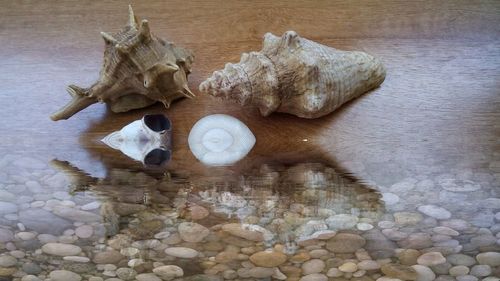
x=219 y=139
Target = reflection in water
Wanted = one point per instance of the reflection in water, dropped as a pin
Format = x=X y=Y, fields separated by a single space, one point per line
x=288 y=204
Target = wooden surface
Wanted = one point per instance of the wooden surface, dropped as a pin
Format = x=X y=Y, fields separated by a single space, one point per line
x=438 y=110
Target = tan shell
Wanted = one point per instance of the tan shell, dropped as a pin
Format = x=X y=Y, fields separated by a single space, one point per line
x=297 y=76
x=139 y=69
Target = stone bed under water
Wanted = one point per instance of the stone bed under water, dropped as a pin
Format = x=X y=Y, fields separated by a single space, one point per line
x=302 y=222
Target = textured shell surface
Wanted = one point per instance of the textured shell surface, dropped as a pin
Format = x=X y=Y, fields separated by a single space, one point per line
x=139 y=69
x=295 y=75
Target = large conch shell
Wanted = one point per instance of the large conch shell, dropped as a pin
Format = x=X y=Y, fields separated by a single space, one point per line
x=297 y=76
x=139 y=69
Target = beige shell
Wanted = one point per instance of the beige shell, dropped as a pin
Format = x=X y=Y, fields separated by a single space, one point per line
x=139 y=69
x=297 y=76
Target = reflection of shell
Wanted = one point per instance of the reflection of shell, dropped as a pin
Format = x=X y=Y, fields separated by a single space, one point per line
x=297 y=76
x=139 y=69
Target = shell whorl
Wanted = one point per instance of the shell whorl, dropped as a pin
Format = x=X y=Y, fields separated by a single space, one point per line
x=297 y=76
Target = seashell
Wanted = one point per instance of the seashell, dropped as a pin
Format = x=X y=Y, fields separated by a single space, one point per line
x=294 y=75
x=139 y=69
x=219 y=139
x=147 y=140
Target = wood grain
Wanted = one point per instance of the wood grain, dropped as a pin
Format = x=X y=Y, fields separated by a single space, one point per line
x=437 y=112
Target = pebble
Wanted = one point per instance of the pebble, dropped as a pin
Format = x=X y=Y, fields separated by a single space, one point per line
x=126 y=273
x=407 y=218
x=461 y=259
x=181 y=252
x=431 y=258
x=314 y=277
x=7 y=208
x=168 y=272
x=268 y=258
x=345 y=243
x=341 y=221
x=60 y=249
x=91 y=206
x=467 y=278
x=399 y=271
x=363 y=226
x=257 y=272
x=147 y=277
x=76 y=259
x=192 y=232
x=313 y=266
x=489 y=258
x=31 y=268
x=443 y=230
x=243 y=231
x=390 y=198
x=17 y=254
x=318 y=253
x=30 y=278
x=334 y=272
x=348 y=267
x=368 y=265
x=107 y=257
x=435 y=212
x=481 y=270
x=75 y=214
x=424 y=273
x=84 y=231
x=64 y=275
x=6 y=235
x=458 y=270
x=162 y=235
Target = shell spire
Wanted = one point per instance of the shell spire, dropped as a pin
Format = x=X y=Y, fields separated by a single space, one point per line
x=294 y=75
x=139 y=69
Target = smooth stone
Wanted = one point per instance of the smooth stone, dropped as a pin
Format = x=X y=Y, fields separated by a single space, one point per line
x=25 y=235
x=91 y=206
x=407 y=218
x=260 y=272
x=390 y=198
x=181 y=252
x=43 y=221
x=108 y=257
x=192 y=232
x=403 y=272
x=84 y=231
x=435 y=212
x=345 y=243
x=198 y=212
x=443 y=230
x=481 y=270
x=30 y=278
x=60 y=249
x=75 y=215
x=467 y=278
x=147 y=277
x=424 y=273
x=431 y=258
x=459 y=270
x=461 y=259
x=268 y=258
x=394 y=234
x=334 y=272
x=76 y=259
x=7 y=261
x=6 y=196
x=162 y=235
x=126 y=273
x=483 y=240
x=7 y=271
x=168 y=272
x=64 y=275
x=455 y=185
x=348 y=267
x=416 y=241
x=483 y=219
x=6 y=235
x=314 y=277
x=368 y=265
x=17 y=254
x=318 y=253
x=456 y=224
x=243 y=231
x=129 y=251
x=226 y=257
x=341 y=221
x=31 y=268
x=363 y=226
x=403 y=186
x=489 y=258
x=313 y=266
x=7 y=208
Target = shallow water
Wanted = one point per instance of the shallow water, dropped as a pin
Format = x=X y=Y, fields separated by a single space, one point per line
x=268 y=221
